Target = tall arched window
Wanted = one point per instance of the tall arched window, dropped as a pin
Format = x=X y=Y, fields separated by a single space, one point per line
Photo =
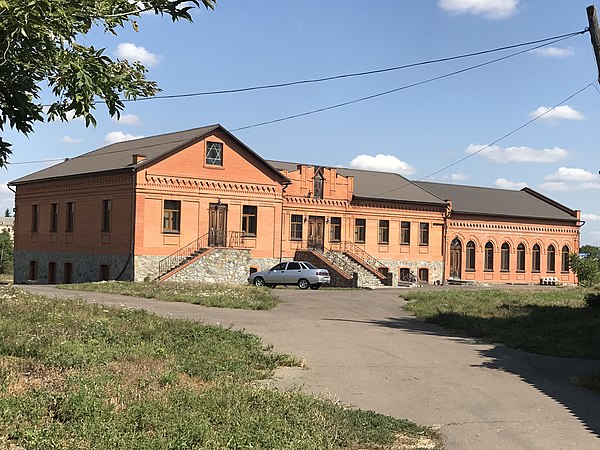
x=488 y=263
x=505 y=257
x=535 y=258
x=564 y=259
x=470 y=256
x=551 y=259
x=520 y=258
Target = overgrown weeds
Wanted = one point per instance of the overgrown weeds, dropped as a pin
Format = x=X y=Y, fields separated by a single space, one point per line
x=206 y=294
x=89 y=377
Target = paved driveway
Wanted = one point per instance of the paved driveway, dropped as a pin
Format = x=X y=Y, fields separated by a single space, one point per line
x=361 y=348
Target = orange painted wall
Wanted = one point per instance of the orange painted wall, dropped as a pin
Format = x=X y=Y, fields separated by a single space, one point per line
x=480 y=230
x=87 y=195
x=184 y=176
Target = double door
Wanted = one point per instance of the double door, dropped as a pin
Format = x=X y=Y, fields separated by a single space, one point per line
x=217 y=225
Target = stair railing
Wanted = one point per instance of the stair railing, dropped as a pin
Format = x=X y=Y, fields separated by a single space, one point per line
x=363 y=255
x=178 y=257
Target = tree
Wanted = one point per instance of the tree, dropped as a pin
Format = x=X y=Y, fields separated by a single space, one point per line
x=6 y=252
x=7 y=212
x=39 y=42
x=586 y=269
x=592 y=251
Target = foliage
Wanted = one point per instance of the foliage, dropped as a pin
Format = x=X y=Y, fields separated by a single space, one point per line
x=589 y=381
x=215 y=295
x=7 y=257
x=551 y=321
x=592 y=299
x=592 y=250
x=88 y=377
x=40 y=41
x=7 y=212
x=586 y=269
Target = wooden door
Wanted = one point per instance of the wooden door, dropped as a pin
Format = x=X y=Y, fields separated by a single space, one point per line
x=455 y=258
x=217 y=225
x=316 y=232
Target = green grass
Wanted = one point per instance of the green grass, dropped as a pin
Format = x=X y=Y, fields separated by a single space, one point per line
x=76 y=376
x=215 y=295
x=589 y=381
x=552 y=322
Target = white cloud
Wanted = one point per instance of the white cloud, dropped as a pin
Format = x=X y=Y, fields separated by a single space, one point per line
x=521 y=154
x=71 y=140
x=503 y=183
x=119 y=136
x=590 y=217
x=128 y=119
x=564 y=112
x=382 y=163
x=132 y=52
x=459 y=176
x=564 y=186
x=555 y=52
x=566 y=174
x=492 y=9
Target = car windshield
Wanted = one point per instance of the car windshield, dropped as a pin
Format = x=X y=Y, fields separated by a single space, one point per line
x=280 y=266
x=309 y=265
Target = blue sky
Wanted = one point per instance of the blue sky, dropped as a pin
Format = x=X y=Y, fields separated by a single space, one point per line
x=416 y=131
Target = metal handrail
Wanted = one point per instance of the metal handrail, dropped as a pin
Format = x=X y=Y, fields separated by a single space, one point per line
x=232 y=239
x=363 y=255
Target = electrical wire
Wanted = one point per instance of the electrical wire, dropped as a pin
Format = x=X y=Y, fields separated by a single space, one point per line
x=360 y=74
x=391 y=91
x=510 y=133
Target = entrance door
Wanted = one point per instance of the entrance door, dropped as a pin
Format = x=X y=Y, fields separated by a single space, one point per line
x=316 y=232
x=455 y=258
x=217 y=225
x=51 y=273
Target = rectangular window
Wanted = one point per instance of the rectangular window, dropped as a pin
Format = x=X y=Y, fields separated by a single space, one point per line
x=405 y=233
x=360 y=230
x=106 y=215
x=35 y=218
x=171 y=216
x=214 y=153
x=423 y=233
x=70 y=217
x=296 y=227
x=53 y=217
x=249 y=215
x=335 y=229
x=384 y=232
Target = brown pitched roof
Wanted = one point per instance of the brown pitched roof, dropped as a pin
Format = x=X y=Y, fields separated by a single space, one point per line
x=119 y=156
x=369 y=184
x=499 y=202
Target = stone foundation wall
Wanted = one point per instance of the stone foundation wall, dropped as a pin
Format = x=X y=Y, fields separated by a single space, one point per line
x=436 y=269
x=220 y=265
x=146 y=267
x=85 y=266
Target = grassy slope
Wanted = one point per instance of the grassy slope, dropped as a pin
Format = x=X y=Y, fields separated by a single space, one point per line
x=550 y=322
x=88 y=377
x=220 y=296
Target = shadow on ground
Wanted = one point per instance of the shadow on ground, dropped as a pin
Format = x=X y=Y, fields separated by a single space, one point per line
x=549 y=375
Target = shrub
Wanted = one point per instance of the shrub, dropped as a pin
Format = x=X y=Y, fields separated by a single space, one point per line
x=586 y=269
x=592 y=299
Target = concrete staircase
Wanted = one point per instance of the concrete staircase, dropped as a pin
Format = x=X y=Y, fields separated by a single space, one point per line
x=366 y=278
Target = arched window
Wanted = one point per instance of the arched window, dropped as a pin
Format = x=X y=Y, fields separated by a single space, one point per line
x=520 y=258
x=535 y=258
x=564 y=259
x=318 y=185
x=488 y=263
x=551 y=259
x=505 y=257
x=470 y=256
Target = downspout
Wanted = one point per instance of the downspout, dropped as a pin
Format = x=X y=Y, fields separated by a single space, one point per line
x=281 y=223
x=130 y=258
x=445 y=238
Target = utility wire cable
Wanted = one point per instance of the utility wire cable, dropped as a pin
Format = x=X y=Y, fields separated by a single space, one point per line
x=391 y=91
x=364 y=73
x=510 y=133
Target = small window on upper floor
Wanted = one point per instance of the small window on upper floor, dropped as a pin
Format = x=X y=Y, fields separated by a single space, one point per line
x=53 y=217
x=318 y=185
x=35 y=217
x=214 y=153
x=106 y=215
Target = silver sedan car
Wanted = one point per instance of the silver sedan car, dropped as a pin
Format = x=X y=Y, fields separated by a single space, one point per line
x=301 y=273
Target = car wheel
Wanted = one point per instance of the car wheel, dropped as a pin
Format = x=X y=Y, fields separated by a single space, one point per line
x=303 y=283
x=259 y=281
x=314 y=287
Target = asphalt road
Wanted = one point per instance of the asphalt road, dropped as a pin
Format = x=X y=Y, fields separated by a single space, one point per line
x=363 y=349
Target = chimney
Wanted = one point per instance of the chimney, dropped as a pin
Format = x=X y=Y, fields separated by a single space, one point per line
x=138 y=158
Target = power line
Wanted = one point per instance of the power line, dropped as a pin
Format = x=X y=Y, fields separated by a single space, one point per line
x=360 y=74
x=539 y=116
x=391 y=91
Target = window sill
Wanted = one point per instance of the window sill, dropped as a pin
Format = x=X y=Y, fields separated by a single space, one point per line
x=170 y=232
x=404 y=243
x=423 y=245
x=213 y=166
x=469 y=270
x=249 y=236
x=383 y=243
